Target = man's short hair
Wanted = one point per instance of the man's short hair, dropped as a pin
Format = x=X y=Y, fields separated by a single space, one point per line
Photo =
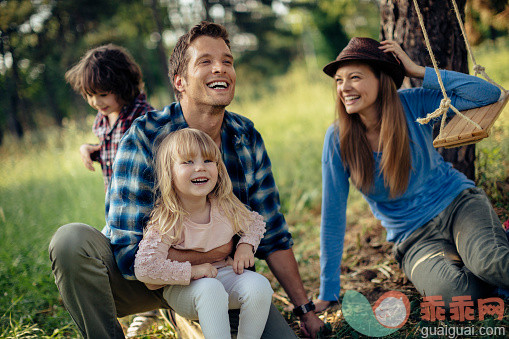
x=179 y=59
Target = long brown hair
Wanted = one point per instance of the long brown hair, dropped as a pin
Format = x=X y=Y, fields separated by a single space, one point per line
x=394 y=141
x=168 y=213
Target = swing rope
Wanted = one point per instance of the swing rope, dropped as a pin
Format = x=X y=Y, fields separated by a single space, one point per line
x=478 y=69
x=445 y=103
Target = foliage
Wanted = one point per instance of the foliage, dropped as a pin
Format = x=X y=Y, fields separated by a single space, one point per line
x=486 y=19
x=40 y=40
x=492 y=164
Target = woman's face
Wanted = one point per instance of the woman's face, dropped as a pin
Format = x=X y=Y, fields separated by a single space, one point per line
x=357 y=88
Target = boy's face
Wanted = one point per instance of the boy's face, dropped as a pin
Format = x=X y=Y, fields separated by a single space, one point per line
x=105 y=103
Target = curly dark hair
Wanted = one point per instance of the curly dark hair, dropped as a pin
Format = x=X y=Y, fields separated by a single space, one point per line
x=179 y=59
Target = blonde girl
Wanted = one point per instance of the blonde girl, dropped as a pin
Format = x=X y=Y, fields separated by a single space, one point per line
x=196 y=210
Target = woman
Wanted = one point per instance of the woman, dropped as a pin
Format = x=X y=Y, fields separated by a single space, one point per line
x=448 y=239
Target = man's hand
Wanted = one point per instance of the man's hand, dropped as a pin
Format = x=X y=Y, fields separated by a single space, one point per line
x=310 y=324
x=284 y=266
x=86 y=151
x=203 y=271
x=244 y=258
x=321 y=305
x=197 y=258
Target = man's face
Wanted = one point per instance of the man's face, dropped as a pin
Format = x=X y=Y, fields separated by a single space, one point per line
x=210 y=78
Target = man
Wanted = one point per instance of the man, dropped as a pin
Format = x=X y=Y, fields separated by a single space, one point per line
x=92 y=270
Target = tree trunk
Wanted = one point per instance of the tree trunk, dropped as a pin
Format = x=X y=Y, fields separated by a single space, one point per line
x=13 y=122
x=399 y=22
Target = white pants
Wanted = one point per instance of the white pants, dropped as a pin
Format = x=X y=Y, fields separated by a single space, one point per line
x=209 y=299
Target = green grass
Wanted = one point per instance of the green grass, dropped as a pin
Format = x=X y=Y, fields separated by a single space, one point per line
x=44 y=185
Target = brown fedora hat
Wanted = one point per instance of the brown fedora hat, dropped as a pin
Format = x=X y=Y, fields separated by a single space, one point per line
x=366 y=50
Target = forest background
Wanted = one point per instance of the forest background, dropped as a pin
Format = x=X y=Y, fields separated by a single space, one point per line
x=279 y=47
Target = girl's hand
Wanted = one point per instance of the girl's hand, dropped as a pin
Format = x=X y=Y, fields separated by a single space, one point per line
x=203 y=271
x=86 y=151
x=411 y=68
x=244 y=258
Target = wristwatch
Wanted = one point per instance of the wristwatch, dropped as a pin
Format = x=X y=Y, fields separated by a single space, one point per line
x=303 y=309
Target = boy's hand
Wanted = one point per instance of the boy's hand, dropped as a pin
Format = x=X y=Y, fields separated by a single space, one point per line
x=244 y=258
x=203 y=271
x=86 y=151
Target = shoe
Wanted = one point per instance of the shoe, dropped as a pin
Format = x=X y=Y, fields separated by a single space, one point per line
x=141 y=324
x=184 y=328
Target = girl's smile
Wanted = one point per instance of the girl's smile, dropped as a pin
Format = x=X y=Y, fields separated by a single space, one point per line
x=194 y=177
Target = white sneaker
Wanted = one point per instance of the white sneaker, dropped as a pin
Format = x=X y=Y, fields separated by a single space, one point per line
x=141 y=323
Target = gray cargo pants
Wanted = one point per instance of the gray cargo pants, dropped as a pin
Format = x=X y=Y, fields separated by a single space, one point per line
x=462 y=251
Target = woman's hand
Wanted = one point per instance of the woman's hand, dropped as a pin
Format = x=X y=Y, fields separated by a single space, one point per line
x=411 y=68
x=244 y=258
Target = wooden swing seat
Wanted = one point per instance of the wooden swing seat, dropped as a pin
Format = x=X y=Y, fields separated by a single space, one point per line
x=459 y=132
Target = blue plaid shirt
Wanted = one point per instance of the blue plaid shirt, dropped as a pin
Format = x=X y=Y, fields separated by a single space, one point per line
x=130 y=198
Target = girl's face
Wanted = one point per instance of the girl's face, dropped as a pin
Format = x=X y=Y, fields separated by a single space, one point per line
x=105 y=103
x=194 y=177
x=357 y=88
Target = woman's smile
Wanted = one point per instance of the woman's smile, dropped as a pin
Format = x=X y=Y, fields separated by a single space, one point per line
x=357 y=86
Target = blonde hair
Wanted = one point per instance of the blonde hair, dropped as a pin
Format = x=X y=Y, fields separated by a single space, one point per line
x=394 y=141
x=168 y=213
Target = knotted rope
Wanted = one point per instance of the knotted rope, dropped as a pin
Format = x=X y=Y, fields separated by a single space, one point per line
x=445 y=104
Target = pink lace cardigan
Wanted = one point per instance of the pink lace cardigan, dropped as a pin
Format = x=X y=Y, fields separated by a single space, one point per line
x=152 y=266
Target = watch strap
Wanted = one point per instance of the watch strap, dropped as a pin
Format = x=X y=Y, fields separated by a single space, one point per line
x=303 y=309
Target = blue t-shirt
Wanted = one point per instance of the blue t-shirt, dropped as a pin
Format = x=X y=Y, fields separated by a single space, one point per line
x=433 y=182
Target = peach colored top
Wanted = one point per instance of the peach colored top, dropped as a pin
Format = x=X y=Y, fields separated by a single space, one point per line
x=152 y=265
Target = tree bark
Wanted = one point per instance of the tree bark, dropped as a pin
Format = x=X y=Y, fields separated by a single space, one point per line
x=399 y=22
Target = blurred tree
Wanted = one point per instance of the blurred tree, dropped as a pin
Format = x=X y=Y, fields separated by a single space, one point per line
x=12 y=15
x=339 y=20
x=161 y=52
x=259 y=33
x=40 y=40
x=399 y=22
x=486 y=19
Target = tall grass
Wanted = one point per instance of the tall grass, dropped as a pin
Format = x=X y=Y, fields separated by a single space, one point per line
x=44 y=185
